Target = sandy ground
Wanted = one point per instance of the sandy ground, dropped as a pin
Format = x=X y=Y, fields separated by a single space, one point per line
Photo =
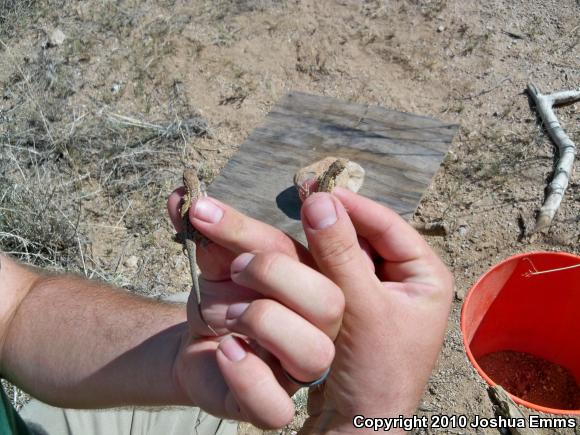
x=224 y=64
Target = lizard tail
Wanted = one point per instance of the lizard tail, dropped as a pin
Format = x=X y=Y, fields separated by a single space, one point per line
x=192 y=251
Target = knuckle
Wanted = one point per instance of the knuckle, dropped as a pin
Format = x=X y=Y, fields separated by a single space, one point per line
x=336 y=252
x=333 y=307
x=444 y=280
x=257 y=316
x=236 y=227
x=276 y=413
x=266 y=263
x=282 y=242
x=321 y=358
x=280 y=417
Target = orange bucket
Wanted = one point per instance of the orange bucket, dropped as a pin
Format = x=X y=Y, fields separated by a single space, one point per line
x=528 y=303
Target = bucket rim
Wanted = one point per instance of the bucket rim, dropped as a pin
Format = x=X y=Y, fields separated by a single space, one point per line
x=470 y=356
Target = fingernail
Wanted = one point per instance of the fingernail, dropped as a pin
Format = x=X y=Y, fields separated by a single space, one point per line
x=240 y=262
x=207 y=211
x=236 y=310
x=320 y=211
x=232 y=349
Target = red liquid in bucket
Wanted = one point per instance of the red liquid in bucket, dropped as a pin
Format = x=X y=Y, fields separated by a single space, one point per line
x=538 y=314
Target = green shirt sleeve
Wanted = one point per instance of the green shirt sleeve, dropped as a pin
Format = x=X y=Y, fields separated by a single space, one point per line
x=10 y=421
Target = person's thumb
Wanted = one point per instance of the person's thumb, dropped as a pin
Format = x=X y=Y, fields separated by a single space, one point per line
x=333 y=242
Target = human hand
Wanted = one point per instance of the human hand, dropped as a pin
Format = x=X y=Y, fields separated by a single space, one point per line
x=407 y=289
x=395 y=313
x=243 y=378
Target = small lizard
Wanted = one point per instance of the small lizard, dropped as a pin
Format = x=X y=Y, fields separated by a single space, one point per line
x=327 y=181
x=193 y=191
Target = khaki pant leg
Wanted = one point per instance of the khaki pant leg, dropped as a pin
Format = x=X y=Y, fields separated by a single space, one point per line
x=43 y=419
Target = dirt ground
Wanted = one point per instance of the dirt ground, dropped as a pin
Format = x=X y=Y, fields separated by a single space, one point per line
x=95 y=128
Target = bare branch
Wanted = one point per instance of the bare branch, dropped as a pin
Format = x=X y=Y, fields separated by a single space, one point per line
x=566 y=149
x=505 y=406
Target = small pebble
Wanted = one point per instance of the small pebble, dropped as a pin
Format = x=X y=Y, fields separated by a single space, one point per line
x=56 y=37
x=131 y=262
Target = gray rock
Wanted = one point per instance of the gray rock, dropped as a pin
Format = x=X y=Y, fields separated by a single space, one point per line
x=56 y=38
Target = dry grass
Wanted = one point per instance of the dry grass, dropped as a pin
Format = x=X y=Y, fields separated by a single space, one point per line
x=39 y=219
x=51 y=146
x=18 y=397
x=13 y=13
x=67 y=155
x=220 y=9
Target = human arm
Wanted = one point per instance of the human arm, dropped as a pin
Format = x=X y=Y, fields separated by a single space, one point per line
x=77 y=343
x=396 y=310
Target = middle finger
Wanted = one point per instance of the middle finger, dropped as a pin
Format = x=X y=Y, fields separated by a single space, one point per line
x=304 y=351
x=295 y=285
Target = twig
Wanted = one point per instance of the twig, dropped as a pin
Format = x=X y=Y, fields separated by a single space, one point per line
x=179 y=129
x=435 y=228
x=566 y=149
x=505 y=406
x=542 y=272
x=565 y=65
x=487 y=91
x=513 y=35
x=124 y=213
x=22 y=240
x=82 y=256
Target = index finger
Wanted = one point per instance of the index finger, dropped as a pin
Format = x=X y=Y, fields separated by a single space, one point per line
x=233 y=232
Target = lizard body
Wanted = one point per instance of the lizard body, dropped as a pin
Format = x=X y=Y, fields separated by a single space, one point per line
x=193 y=191
x=327 y=181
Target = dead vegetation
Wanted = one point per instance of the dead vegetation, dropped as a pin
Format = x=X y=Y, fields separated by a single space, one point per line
x=94 y=132
x=65 y=153
x=13 y=14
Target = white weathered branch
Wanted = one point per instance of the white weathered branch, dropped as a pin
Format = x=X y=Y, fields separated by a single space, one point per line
x=566 y=149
